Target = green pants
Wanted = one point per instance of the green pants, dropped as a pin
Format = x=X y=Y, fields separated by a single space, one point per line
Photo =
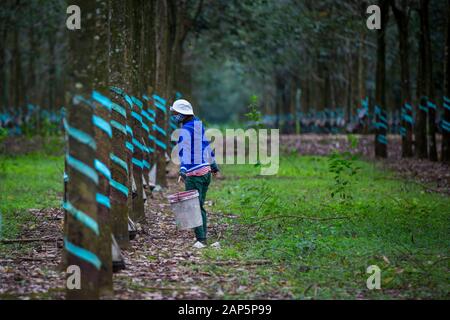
x=201 y=185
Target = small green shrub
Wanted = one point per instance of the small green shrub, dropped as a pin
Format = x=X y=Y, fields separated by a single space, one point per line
x=343 y=167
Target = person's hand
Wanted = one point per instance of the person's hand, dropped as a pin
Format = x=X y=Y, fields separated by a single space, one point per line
x=215 y=171
x=182 y=177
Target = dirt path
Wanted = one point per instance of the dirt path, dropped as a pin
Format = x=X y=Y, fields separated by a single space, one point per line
x=160 y=263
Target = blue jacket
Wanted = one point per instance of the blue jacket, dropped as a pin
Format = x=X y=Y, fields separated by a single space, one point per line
x=194 y=150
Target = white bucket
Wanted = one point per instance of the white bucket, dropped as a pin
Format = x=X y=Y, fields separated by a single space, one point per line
x=186 y=207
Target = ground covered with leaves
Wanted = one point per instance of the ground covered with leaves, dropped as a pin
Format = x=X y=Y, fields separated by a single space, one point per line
x=309 y=232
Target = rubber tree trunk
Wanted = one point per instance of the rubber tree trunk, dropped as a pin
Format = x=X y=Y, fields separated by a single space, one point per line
x=62 y=266
x=146 y=124
x=129 y=150
x=31 y=74
x=128 y=73
x=421 y=121
x=295 y=98
x=16 y=82
x=402 y=20
x=4 y=100
x=446 y=117
x=103 y=135
x=280 y=99
x=177 y=33
x=149 y=66
x=5 y=24
x=150 y=108
x=119 y=169
x=142 y=95
x=362 y=61
x=278 y=102
x=362 y=70
x=380 y=95
x=429 y=86
x=51 y=71
x=285 y=104
x=161 y=40
x=81 y=241
x=137 y=212
x=147 y=72
x=432 y=154
x=349 y=89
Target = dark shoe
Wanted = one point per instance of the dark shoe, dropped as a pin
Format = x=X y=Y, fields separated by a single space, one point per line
x=118 y=265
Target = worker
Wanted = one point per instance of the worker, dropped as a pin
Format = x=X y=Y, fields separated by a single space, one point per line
x=197 y=161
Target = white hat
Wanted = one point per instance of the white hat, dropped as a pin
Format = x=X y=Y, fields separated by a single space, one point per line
x=182 y=106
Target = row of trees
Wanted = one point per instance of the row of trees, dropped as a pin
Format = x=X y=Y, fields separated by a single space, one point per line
x=427 y=100
x=301 y=56
x=143 y=42
x=32 y=54
x=297 y=55
x=120 y=80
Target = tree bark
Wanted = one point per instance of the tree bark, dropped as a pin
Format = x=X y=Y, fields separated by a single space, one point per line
x=446 y=117
x=16 y=80
x=137 y=212
x=82 y=237
x=421 y=126
x=103 y=136
x=431 y=104
x=161 y=59
x=31 y=76
x=4 y=101
x=402 y=19
x=119 y=190
x=380 y=95
x=51 y=72
x=149 y=65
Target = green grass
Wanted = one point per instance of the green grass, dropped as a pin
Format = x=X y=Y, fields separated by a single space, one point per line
x=28 y=181
x=384 y=221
